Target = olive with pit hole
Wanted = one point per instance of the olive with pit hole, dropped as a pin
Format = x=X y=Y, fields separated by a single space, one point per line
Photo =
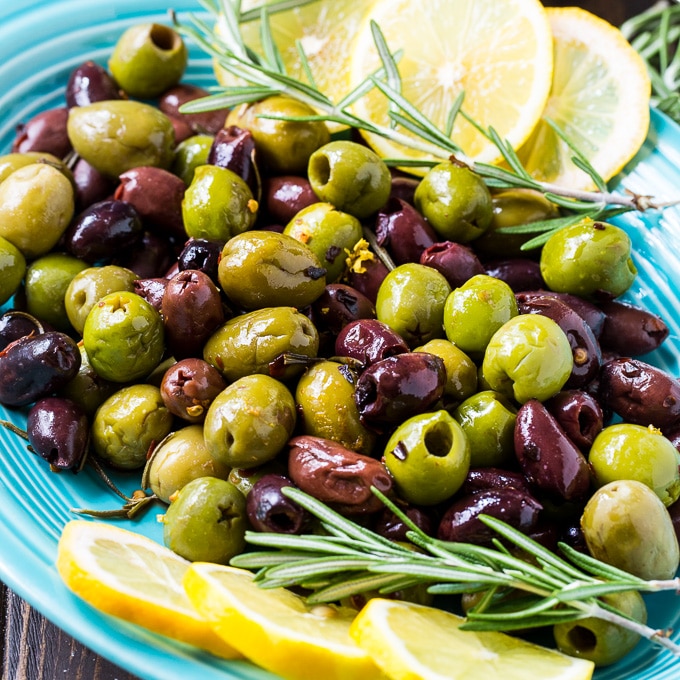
x=270 y=510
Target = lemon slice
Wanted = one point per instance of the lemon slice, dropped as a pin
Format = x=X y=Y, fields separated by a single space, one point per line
x=498 y=53
x=136 y=579
x=276 y=629
x=600 y=98
x=410 y=641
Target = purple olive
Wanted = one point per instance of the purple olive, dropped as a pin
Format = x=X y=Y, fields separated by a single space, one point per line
x=46 y=131
x=153 y=257
x=403 y=231
x=367 y=341
x=456 y=262
x=201 y=254
x=269 y=510
x=88 y=83
x=340 y=305
x=58 y=430
x=403 y=187
x=286 y=195
x=579 y=415
x=519 y=273
x=485 y=478
x=91 y=186
x=366 y=275
x=630 y=330
x=152 y=290
x=234 y=149
x=15 y=324
x=388 y=525
x=209 y=122
x=548 y=458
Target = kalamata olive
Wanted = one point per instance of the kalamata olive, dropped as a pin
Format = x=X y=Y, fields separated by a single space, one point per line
x=208 y=122
x=182 y=130
x=519 y=273
x=461 y=521
x=35 y=366
x=483 y=479
x=152 y=290
x=234 y=149
x=14 y=325
x=403 y=187
x=584 y=346
x=269 y=510
x=588 y=311
x=398 y=387
x=103 y=230
x=192 y=310
x=630 y=330
x=201 y=254
x=548 y=458
x=366 y=275
x=403 y=231
x=286 y=195
x=579 y=415
x=640 y=393
x=388 y=525
x=337 y=476
x=456 y=262
x=88 y=83
x=156 y=195
x=46 y=131
x=368 y=341
x=339 y=305
x=58 y=430
x=573 y=536
x=189 y=387
x=90 y=185
x=153 y=257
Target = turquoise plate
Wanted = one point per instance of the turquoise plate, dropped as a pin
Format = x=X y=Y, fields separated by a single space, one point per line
x=40 y=42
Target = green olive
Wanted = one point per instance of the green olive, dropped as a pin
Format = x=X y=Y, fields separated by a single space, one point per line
x=625 y=524
x=12 y=269
x=123 y=337
x=189 y=154
x=350 y=176
x=249 y=422
x=118 y=135
x=627 y=451
x=217 y=204
x=266 y=269
x=148 y=59
x=283 y=146
x=37 y=203
x=13 y=161
x=411 y=301
x=455 y=201
x=127 y=424
x=329 y=233
x=461 y=371
x=207 y=521
x=249 y=343
x=326 y=405
x=528 y=357
x=429 y=457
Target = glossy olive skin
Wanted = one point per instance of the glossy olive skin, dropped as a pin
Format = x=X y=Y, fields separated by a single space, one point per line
x=461 y=371
x=403 y=231
x=337 y=476
x=173 y=99
x=250 y=342
x=590 y=259
x=188 y=388
x=234 y=149
x=270 y=510
x=46 y=132
x=458 y=263
x=189 y=154
x=116 y=136
x=640 y=393
x=602 y=642
x=367 y=341
x=250 y=421
x=411 y=302
x=485 y=478
x=202 y=255
x=147 y=59
x=88 y=83
x=488 y=420
x=325 y=403
x=178 y=459
x=266 y=269
x=126 y=425
x=579 y=415
x=529 y=357
x=400 y=386
x=428 y=456
x=366 y=272
x=192 y=310
x=58 y=431
x=206 y=521
x=630 y=330
x=625 y=524
x=461 y=521
x=585 y=348
x=36 y=366
x=285 y=196
x=339 y=305
x=15 y=324
x=388 y=525
x=547 y=457
x=12 y=269
x=519 y=273
x=123 y=337
x=455 y=201
x=350 y=176
x=90 y=185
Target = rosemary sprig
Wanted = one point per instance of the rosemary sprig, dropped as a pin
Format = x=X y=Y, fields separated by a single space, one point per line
x=263 y=75
x=350 y=560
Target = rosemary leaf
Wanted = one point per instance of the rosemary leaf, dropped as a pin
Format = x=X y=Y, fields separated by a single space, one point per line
x=539 y=621
x=305 y=64
x=453 y=113
x=272 y=55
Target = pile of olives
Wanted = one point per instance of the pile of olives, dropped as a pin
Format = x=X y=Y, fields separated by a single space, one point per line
x=232 y=303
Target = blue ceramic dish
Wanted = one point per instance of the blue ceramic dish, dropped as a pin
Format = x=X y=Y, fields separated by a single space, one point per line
x=41 y=41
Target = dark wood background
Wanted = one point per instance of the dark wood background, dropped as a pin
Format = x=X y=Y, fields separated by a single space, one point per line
x=35 y=649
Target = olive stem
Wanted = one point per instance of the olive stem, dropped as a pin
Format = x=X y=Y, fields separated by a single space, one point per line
x=13 y=428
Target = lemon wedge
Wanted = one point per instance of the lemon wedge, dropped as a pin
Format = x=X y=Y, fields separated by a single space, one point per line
x=136 y=579
x=275 y=629
x=414 y=642
x=600 y=98
x=498 y=53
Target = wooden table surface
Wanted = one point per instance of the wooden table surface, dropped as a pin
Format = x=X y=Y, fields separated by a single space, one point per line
x=35 y=649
